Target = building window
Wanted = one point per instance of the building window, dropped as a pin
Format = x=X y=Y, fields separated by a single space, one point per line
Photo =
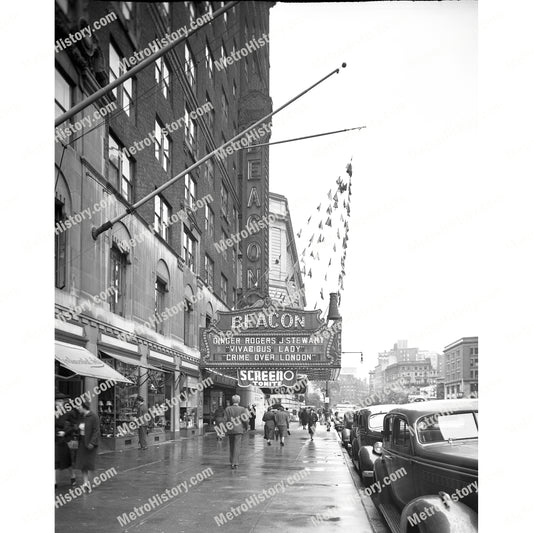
x=190 y=67
x=224 y=250
x=160 y=296
x=224 y=288
x=209 y=174
x=208 y=7
x=60 y=248
x=63 y=94
x=190 y=191
x=209 y=222
x=209 y=61
x=190 y=128
x=225 y=106
x=192 y=11
x=224 y=200
x=234 y=89
x=124 y=92
x=127 y=9
x=162 y=77
x=162 y=146
x=118 y=281
x=166 y=7
x=235 y=220
x=209 y=271
x=120 y=168
x=223 y=54
x=161 y=217
x=188 y=330
x=189 y=249
x=210 y=115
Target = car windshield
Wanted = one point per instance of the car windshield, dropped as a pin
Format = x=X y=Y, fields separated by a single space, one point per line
x=376 y=421
x=442 y=427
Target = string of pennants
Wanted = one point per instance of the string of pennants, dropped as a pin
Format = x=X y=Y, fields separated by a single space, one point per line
x=333 y=213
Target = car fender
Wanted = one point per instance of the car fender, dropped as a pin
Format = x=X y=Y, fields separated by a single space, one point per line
x=438 y=514
x=367 y=458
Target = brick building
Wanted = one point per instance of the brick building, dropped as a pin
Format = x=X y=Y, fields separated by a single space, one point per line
x=461 y=368
x=144 y=287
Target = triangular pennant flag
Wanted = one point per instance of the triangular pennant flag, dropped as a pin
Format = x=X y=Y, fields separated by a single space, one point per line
x=349 y=169
x=338 y=234
x=336 y=198
x=328 y=222
x=335 y=204
x=311 y=239
x=309 y=220
x=299 y=234
x=319 y=206
x=320 y=226
x=329 y=194
x=329 y=210
x=310 y=273
x=329 y=264
x=312 y=254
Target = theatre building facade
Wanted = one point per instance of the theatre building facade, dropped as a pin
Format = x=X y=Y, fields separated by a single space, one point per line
x=130 y=302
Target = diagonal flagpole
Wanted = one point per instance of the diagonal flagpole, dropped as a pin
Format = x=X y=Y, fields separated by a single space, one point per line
x=109 y=224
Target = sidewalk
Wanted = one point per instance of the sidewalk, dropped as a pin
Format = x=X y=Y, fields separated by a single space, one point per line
x=258 y=497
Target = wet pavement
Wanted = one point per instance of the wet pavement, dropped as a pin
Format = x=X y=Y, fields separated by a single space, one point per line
x=188 y=485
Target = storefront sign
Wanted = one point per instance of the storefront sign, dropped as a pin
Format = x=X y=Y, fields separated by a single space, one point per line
x=267 y=378
x=273 y=338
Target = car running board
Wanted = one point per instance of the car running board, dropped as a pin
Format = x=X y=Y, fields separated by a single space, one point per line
x=391 y=516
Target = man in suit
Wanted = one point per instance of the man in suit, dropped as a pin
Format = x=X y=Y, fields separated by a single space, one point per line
x=236 y=422
x=282 y=418
x=142 y=421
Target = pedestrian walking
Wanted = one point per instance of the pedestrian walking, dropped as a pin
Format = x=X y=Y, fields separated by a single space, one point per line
x=64 y=431
x=219 y=420
x=313 y=419
x=282 y=417
x=142 y=421
x=270 y=425
x=89 y=428
x=236 y=422
x=252 y=417
x=304 y=418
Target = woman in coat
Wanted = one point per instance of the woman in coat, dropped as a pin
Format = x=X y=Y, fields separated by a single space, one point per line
x=270 y=424
x=89 y=431
x=64 y=430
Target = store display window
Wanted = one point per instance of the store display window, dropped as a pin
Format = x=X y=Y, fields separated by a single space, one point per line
x=189 y=406
x=159 y=394
x=116 y=406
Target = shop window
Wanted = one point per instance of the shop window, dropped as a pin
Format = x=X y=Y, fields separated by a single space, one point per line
x=118 y=280
x=116 y=405
x=159 y=394
x=60 y=248
x=189 y=406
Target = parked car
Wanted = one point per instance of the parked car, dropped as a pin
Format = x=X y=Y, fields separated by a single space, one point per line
x=366 y=437
x=347 y=428
x=434 y=446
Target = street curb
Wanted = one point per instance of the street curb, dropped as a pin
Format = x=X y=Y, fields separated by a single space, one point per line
x=374 y=517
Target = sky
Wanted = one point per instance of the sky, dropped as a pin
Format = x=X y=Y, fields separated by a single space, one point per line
x=411 y=79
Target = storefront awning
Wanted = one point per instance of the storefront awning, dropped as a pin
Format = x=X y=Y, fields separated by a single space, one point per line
x=129 y=360
x=81 y=361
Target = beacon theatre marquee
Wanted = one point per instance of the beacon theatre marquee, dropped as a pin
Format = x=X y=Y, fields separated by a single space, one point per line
x=259 y=338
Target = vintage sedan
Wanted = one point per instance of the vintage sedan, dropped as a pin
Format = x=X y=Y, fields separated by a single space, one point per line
x=366 y=438
x=434 y=445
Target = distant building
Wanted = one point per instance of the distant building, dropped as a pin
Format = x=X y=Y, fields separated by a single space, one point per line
x=415 y=374
x=285 y=279
x=461 y=368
